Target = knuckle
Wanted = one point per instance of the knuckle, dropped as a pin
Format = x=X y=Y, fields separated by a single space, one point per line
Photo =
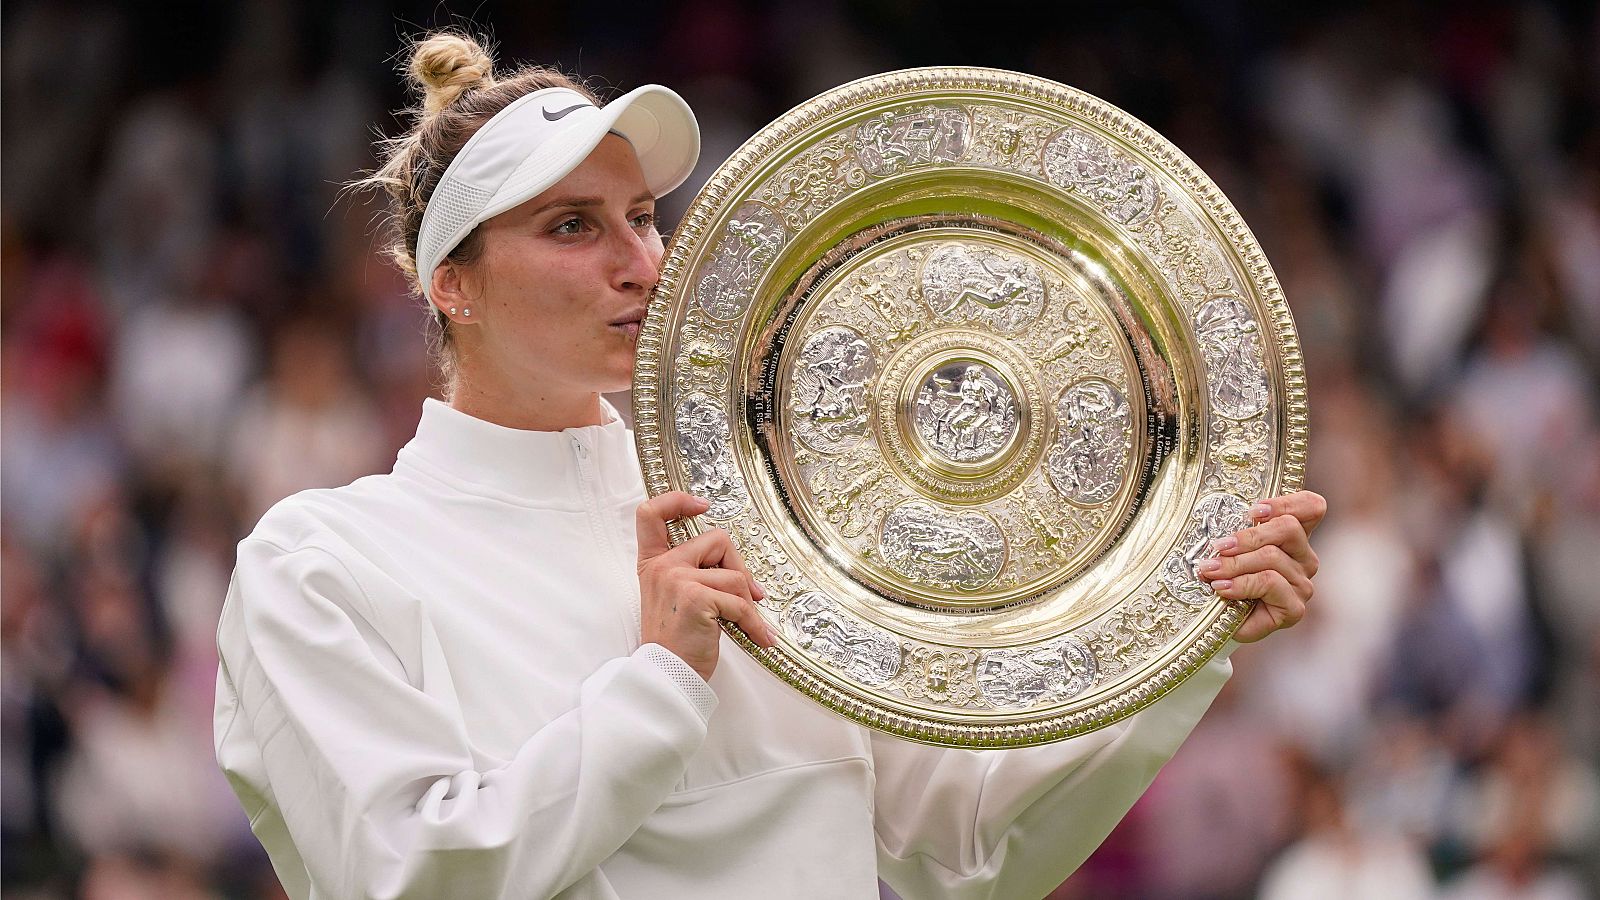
x=1300 y=588
x=1259 y=584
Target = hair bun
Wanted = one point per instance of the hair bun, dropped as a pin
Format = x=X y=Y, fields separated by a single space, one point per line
x=446 y=64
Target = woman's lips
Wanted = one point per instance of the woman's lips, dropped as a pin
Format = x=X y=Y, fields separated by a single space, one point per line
x=629 y=326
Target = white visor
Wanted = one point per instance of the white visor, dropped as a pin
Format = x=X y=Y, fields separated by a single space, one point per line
x=534 y=142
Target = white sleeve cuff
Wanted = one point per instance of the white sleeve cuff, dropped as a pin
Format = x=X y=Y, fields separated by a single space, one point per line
x=684 y=676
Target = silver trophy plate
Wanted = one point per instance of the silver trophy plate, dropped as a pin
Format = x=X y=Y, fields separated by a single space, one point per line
x=973 y=367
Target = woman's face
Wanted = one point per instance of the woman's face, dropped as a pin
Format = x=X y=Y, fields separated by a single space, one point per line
x=563 y=280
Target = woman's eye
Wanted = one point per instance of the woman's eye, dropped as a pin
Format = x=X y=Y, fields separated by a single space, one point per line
x=573 y=225
x=644 y=220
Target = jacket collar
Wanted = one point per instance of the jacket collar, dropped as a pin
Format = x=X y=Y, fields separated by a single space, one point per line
x=541 y=468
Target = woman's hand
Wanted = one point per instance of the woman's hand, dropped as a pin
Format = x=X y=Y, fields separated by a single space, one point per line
x=1271 y=561
x=684 y=590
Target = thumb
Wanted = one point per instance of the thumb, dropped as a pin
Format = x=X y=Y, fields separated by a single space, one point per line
x=653 y=516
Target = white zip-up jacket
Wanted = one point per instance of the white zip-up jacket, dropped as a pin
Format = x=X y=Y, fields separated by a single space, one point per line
x=432 y=686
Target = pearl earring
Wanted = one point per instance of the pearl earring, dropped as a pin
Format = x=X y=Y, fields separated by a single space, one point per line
x=452 y=310
x=467 y=312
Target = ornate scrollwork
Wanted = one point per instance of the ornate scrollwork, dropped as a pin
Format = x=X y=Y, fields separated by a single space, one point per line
x=1240 y=460
x=1135 y=631
x=940 y=675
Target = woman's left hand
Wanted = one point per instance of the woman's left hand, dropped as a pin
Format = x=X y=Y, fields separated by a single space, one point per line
x=1271 y=562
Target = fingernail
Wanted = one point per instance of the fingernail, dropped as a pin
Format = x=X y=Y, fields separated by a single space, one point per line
x=1211 y=565
x=1222 y=584
x=1261 y=511
x=761 y=592
x=1227 y=543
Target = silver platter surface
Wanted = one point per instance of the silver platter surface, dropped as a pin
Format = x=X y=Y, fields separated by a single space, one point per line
x=973 y=367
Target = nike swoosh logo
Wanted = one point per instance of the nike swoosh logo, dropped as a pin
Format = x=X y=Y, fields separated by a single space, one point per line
x=560 y=113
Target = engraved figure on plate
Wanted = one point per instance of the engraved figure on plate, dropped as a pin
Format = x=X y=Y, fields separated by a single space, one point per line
x=1217 y=516
x=1003 y=290
x=702 y=434
x=1123 y=189
x=1052 y=673
x=828 y=395
x=894 y=141
x=863 y=653
x=750 y=243
x=965 y=412
x=846 y=491
x=1095 y=438
x=942 y=549
x=1230 y=342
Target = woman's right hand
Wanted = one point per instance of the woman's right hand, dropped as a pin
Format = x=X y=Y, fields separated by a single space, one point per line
x=685 y=590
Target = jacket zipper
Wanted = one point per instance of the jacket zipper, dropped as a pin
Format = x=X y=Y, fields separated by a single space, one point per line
x=601 y=528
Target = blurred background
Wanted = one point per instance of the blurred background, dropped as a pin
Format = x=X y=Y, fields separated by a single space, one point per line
x=195 y=325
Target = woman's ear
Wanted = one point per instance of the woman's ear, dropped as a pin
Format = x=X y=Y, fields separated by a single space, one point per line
x=449 y=295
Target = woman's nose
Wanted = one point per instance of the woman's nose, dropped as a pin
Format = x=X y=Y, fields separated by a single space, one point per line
x=639 y=260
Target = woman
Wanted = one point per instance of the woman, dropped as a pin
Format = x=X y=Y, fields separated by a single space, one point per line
x=487 y=673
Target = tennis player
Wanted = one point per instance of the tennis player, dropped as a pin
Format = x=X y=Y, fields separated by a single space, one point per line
x=488 y=674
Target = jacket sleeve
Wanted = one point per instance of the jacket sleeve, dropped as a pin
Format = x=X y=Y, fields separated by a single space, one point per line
x=370 y=767
x=1015 y=823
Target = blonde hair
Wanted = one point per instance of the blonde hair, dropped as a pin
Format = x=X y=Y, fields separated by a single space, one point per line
x=460 y=91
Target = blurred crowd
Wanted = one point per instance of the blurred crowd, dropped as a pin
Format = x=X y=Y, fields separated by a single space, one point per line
x=195 y=324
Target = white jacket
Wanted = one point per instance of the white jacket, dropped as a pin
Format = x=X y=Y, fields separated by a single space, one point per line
x=432 y=686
